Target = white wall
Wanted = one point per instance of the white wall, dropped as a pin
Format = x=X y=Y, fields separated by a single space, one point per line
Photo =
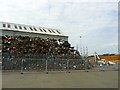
x=44 y=36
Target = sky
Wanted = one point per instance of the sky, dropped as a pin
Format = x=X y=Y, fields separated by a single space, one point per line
x=96 y=21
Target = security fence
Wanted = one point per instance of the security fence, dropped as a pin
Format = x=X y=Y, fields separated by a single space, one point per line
x=46 y=62
x=41 y=62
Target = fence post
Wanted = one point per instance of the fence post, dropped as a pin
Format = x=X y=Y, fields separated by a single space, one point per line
x=46 y=67
x=86 y=64
x=22 y=66
x=68 y=66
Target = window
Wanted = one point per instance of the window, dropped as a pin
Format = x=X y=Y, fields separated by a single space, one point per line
x=35 y=29
x=20 y=27
x=4 y=25
x=31 y=28
x=49 y=30
x=40 y=29
x=16 y=27
x=25 y=28
x=8 y=25
x=44 y=30
x=58 y=31
x=53 y=31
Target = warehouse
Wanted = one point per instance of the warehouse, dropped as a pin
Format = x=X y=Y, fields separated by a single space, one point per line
x=29 y=30
x=30 y=46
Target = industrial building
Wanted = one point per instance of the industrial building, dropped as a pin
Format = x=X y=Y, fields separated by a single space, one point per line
x=111 y=57
x=13 y=29
x=35 y=48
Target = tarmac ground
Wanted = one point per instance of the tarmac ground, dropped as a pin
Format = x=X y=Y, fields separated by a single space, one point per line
x=61 y=79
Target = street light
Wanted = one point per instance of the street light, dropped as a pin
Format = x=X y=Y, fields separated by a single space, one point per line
x=81 y=45
x=84 y=55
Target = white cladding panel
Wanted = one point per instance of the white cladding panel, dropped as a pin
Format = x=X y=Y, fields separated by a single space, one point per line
x=29 y=28
x=44 y=36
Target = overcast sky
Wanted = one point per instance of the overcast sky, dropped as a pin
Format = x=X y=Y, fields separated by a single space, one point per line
x=95 y=21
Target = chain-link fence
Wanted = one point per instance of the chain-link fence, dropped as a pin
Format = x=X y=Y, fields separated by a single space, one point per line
x=44 y=62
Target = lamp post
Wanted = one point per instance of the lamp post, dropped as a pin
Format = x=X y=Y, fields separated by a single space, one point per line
x=81 y=45
x=84 y=55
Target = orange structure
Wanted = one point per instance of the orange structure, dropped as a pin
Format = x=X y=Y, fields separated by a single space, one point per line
x=111 y=57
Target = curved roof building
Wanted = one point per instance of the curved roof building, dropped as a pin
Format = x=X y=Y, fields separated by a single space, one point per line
x=29 y=30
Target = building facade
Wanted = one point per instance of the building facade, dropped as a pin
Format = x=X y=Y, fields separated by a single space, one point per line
x=13 y=29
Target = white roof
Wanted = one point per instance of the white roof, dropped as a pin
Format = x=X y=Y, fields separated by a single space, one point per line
x=29 y=28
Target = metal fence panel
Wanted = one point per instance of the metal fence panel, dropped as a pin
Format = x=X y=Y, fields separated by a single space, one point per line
x=38 y=62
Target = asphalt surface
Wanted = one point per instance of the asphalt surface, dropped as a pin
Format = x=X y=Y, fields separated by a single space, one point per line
x=57 y=79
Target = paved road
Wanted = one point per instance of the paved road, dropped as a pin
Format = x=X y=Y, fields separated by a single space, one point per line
x=75 y=79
